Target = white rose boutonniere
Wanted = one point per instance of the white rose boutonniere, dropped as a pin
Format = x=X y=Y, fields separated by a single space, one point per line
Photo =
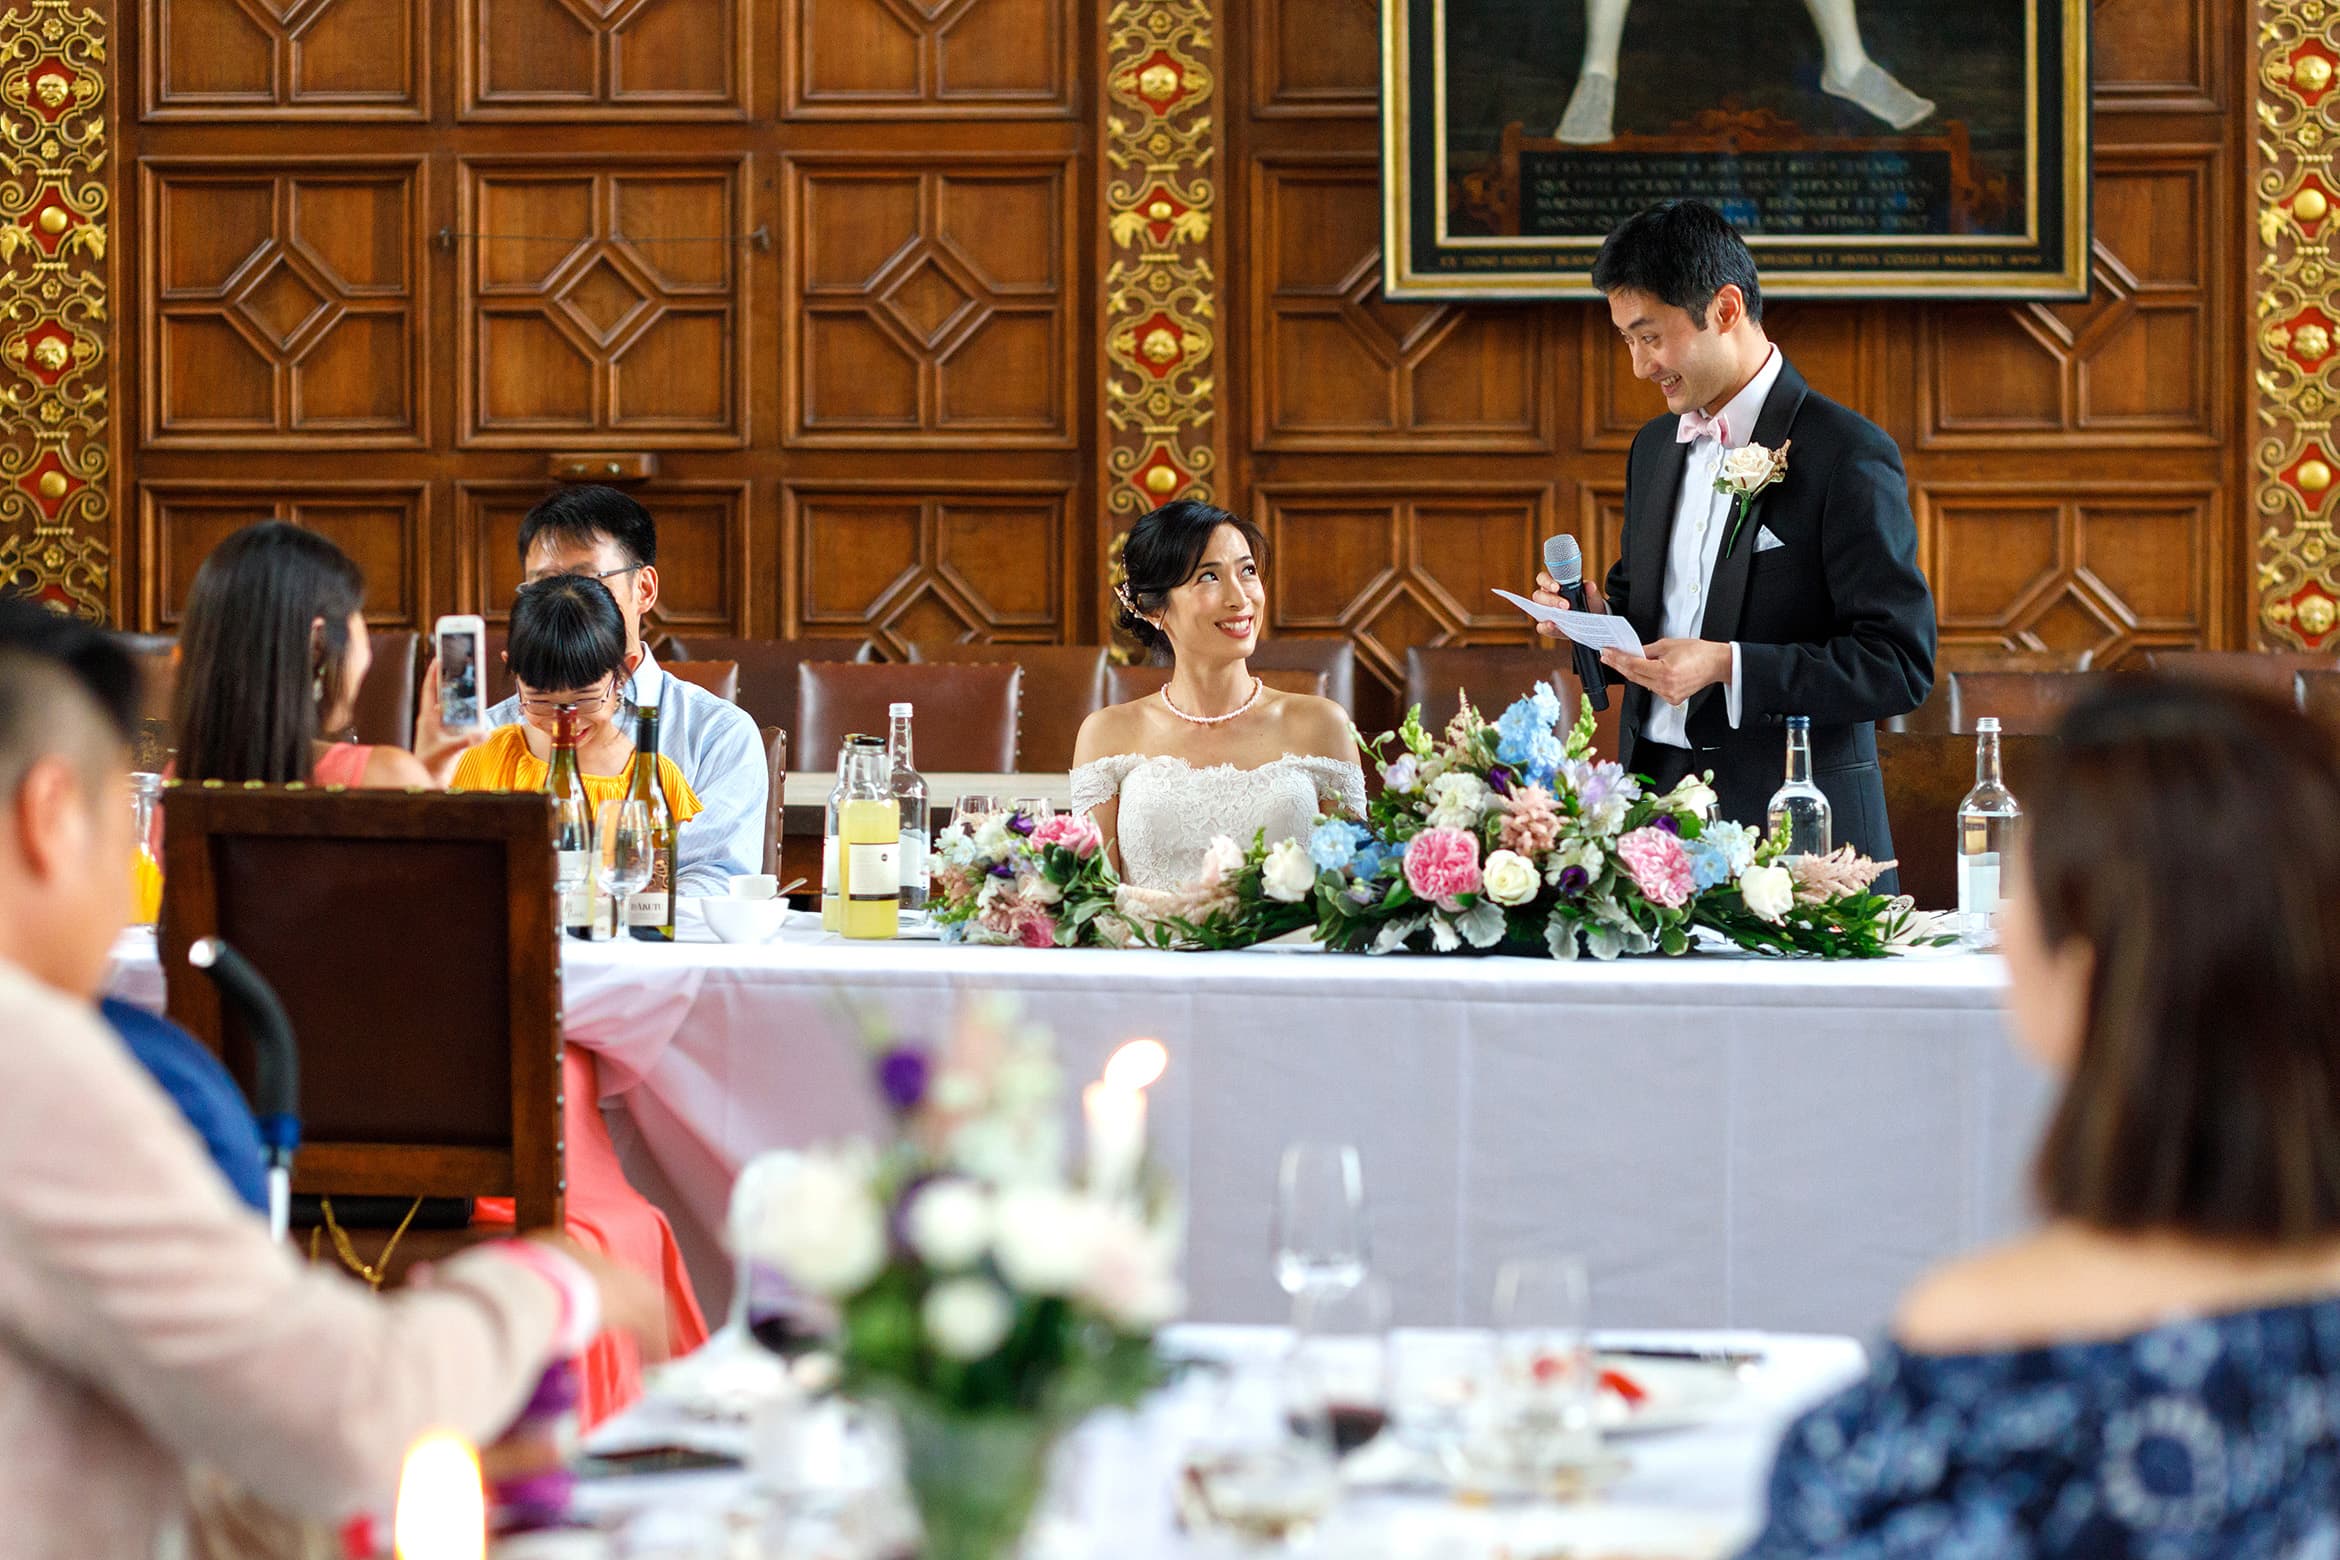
x=1747 y=471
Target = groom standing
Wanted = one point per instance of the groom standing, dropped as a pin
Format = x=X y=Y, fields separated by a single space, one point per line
x=1811 y=602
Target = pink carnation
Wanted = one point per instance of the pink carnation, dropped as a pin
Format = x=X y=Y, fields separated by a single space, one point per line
x=1531 y=821
x=1659 y=867
x=1442 y=865
x=1076 y=832
x=1036 y=928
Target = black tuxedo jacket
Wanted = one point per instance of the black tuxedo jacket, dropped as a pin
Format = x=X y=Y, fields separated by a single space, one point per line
x=1836 y=622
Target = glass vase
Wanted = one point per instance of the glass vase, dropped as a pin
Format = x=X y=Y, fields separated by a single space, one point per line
x=974 y=1477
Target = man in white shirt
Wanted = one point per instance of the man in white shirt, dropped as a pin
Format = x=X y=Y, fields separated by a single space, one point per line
x=603 y=533
x=1806 y=598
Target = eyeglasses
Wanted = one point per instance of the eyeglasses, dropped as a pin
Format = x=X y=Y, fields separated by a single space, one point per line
x=545 y=704
x=605 y=575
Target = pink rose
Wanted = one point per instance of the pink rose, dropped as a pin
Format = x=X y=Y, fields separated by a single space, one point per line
x=1659 y=867
x=1442 y=865
x=1035 y=928
x=1076 y=832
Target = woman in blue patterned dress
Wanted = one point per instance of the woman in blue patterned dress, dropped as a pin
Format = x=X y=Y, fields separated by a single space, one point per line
x=2156 y=1372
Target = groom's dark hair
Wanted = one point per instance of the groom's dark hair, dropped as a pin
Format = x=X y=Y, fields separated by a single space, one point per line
x=1680 y=252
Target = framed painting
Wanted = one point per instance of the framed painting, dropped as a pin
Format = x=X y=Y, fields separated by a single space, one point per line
x=1866 y=148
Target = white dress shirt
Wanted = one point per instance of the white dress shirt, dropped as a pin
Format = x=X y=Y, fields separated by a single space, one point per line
x=720 y=752
x=1701 y=520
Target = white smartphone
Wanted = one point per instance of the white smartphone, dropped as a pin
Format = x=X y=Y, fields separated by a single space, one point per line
x=459 y=642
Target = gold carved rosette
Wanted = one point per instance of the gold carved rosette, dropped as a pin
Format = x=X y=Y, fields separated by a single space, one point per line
x=1160 y=295
x=2295 y=454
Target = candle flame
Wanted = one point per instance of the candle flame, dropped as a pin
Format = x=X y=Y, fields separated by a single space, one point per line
x=1137 y=1064
x=442 y=1510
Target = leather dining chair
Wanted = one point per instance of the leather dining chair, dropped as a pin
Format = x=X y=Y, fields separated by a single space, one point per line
x=1335 y=658
x=720 y=678
x=1124 y=683
x=1954 y=661
x=2269 y=671
x=1437 y=677
x=767 y=669
x=1927 y=774
x=965 y=720
x=775 y=796
x=2318 y=696
x=404 y=1093
x=2026 y=703
x=1073 y=680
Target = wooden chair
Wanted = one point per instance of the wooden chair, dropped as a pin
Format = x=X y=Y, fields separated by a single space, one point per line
x=720 y=678
x=1124 y=683
x=1927 y=774
x=413 y=941
x=1953 y=660
x=2268 y=671
x=1335 y=658
x=767 y=670
x=1494 y=676
x=776 y=798
x=2026 y=703
x=965 y=722
x=384 y=712
x=1067 y=684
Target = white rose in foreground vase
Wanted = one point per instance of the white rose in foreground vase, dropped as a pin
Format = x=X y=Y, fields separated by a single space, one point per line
x=949 y=1223
x=967 y=1317
x=821 y=1225
x=1043 y=1236
x=1288 y=875
x=1509 y=878
x=1769 y=891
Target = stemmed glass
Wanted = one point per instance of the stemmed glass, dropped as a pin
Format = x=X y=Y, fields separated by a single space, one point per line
x=734 y=1372
x=1036 y=809
x=1321 y=1236
x=628 y=851
x=1550 y=1379
x=1262 y=1468
x=975 y=804
x=1340 y=1352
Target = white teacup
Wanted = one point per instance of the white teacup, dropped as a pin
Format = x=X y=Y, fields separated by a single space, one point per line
x=755 y=885
x=745 y=920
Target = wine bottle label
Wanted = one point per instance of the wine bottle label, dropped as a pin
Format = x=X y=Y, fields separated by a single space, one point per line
x=648 y=908
x=577 y=906
x=576 y=866
x=1978 y=882
x=873 y=871
x=915 y=868
x=1974 y=836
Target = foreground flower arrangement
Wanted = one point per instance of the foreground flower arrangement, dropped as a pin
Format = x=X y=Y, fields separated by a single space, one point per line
x=1503 y=836
x=985 y=1296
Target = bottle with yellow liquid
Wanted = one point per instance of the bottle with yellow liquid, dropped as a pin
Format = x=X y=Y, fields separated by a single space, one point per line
x=146 y=871
x=869 y=844
x=832 y=900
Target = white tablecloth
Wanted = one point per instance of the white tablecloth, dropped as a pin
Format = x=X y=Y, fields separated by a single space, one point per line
x=1694 y=1492
x=1730 y=1141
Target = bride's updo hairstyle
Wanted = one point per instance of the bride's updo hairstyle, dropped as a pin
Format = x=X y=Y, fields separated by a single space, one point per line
x=1161 y=554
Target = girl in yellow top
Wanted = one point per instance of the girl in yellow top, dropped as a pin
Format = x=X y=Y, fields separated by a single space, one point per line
x=567 y=646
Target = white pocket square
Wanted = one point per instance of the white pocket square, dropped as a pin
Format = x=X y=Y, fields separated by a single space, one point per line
x=1765 y=541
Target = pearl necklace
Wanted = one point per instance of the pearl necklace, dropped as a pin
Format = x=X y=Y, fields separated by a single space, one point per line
x=1257 y=687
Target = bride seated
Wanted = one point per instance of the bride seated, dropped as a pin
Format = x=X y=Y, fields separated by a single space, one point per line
x=1216 y=751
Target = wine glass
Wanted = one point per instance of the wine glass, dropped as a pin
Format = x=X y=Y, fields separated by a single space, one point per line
x=1441 y=1383
x=1549 y=1377
x=1340 y=1349
x=1262 y=1467
x=1321 y=1236
x=1036 y=809
x=975 y=804
x=628 y=850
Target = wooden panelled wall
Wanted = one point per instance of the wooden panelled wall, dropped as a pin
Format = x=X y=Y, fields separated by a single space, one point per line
x=833 y=267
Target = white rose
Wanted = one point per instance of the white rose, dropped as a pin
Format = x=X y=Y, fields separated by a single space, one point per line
x=821 y=1225
x=1747 y=467
x=1042 y=1236
x=1040 y=891
x=991 y=839
x=949 y=1223
x=1510 y=878
x=1131 y=1278
x=1222 y=860
x=1694 y=795
x=1288 y=874
x=967 y=1317
x=1457 y=801
x=1769 y=891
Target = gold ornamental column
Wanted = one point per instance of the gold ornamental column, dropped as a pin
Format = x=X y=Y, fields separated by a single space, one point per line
x=1158 y=307
x=2296 y=460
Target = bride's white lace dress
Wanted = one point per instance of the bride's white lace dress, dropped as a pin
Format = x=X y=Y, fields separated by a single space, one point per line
x=1170 y=810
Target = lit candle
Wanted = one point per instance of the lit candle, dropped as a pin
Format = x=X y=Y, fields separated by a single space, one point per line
x=442 y=1509
x=1115 y=1110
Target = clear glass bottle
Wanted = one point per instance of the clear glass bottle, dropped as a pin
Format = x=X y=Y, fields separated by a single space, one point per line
x=910 y=795
x=572 y=826
x=1988 y=822
x=1797 y=807
x=649 y=912
x=832 y=901
x=869 y=845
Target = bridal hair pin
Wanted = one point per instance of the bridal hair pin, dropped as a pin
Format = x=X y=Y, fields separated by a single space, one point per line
x=1121 y=594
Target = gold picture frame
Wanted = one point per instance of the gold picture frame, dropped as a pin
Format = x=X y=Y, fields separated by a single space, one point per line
x=1498 y=180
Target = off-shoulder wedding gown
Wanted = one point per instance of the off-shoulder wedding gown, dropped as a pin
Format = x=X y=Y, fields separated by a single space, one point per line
x=1170 y=810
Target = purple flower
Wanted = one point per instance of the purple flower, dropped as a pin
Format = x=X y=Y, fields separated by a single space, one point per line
x=1019 y=824
x=1668 y=822
x=1573 y=881
x=1003 y=869
x=903 y=1073
x=1499 y=780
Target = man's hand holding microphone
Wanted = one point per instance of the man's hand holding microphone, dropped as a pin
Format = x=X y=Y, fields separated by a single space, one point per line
x=1671 y=669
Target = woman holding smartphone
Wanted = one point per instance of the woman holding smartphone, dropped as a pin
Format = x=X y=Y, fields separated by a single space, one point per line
x=272 y=652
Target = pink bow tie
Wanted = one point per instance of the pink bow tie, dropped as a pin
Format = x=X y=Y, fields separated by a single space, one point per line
x=1697 y=425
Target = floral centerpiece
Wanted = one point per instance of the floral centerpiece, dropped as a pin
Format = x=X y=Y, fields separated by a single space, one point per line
x=1007 y=878
x=1511 y=836
x=986 y=1296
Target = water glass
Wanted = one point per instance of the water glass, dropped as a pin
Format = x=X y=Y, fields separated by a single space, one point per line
x=975 y=804
x=1550 y=1380
x=1441 y=1388
x=1321 y=1235
x=1263 y=1468
x=1036 y=809
x=1340 y=1351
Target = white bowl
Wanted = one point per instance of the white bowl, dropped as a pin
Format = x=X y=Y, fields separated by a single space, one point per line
x=745 y=920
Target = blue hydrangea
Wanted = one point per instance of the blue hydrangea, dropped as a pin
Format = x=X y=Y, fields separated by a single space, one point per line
x=1710 y=865
x=1367 y=863
x=1524 y=732
x=1334 y=844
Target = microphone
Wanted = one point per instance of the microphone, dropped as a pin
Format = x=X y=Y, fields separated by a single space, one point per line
x=276 y=1065
x=1564 y=561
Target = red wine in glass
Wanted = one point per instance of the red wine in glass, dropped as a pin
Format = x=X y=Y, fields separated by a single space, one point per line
x=786 y=1333
x=1354 y=1425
